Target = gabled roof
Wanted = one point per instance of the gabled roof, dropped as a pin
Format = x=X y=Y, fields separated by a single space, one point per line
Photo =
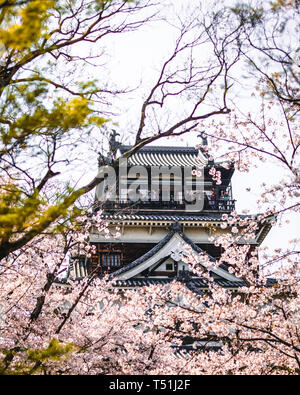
x=174 y=242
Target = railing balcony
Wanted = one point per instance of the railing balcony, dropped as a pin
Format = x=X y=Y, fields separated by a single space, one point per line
x=223 y=205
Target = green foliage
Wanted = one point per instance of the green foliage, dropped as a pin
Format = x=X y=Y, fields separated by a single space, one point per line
x=39 y=114
x=25 y=26
x=20 y=361
x=55 y=351
x=30 y=215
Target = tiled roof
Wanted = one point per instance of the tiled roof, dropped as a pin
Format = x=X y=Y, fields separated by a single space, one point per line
x=169 y=217
x=148 y=254
x=140 y=282
x=193 y=284
x=165 y=156
x=176 y=228
x=162 y=149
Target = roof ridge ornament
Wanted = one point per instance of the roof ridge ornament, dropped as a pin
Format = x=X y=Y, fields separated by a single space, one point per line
x=176 y=227
x=113 y=143
x=177 y=254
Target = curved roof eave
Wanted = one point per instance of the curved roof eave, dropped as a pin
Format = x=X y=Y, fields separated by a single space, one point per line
x=146 y=260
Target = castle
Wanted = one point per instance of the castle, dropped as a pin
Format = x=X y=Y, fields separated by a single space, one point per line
x=159 y=222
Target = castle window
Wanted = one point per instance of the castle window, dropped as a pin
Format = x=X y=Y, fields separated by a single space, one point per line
x=111 y=260
x=169 y=266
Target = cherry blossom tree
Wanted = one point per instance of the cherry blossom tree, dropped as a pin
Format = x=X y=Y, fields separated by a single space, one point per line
x=92 y=327
x=50 y=325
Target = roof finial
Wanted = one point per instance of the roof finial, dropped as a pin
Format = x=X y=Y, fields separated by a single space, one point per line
x=113 y=143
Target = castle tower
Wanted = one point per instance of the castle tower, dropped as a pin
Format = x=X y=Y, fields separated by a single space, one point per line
x=164 y=211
